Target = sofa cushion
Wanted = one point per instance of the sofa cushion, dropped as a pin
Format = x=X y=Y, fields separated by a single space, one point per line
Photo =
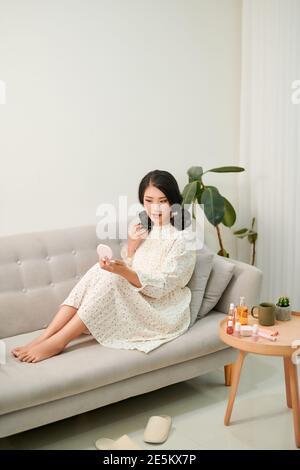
x=86 y=365
x=221 y=273
x=38 y=270
x=198 y=281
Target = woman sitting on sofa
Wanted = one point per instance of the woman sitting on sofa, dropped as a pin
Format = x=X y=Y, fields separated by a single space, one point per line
x=139 y=302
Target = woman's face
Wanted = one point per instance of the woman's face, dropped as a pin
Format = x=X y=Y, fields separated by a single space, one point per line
x=157 y=205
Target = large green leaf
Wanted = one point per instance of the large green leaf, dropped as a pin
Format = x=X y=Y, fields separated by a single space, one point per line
x=189 y=193
x=229 y=214
x=195 y=173
x=213 y=205
x=227 y=169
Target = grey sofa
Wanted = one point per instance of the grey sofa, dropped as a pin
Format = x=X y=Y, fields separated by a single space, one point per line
x=37 y=271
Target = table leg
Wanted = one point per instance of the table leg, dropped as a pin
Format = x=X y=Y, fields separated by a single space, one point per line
x=235 y=382
x=295 y=400
x=286 y=361
x=228 y=374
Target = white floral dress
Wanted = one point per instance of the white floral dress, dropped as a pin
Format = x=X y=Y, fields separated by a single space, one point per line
x=120 y=315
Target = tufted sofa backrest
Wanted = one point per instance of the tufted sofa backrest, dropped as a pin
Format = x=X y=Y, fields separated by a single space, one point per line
x=38 y=270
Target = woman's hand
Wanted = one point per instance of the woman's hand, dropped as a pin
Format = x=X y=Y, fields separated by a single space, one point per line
x=136 y=236
x=116 y=266
x=119 y=267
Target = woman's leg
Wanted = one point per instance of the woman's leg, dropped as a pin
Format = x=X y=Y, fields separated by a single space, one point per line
x=56 y=343
x=63 y=316
x=65 y=313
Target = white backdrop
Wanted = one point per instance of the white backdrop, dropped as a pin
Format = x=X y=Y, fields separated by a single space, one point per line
x=101 y=92
x=270 y=141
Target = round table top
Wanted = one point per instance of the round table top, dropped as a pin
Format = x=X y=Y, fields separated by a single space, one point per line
x=289 y=331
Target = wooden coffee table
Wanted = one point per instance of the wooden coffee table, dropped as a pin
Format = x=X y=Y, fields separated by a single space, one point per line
x=288 y=332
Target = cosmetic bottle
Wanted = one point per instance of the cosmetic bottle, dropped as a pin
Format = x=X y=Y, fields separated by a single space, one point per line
x=237 y=329
x=242 y=312
x=229 y=329
x=231 y=314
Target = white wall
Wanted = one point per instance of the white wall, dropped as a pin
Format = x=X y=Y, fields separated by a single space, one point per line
x=101 y=92
x=270 y=137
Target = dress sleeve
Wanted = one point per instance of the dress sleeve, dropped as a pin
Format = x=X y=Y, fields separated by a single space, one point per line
x=176 y=271
x=124 y=254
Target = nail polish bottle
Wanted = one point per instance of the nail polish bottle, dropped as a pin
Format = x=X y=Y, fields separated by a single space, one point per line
x=229 y=329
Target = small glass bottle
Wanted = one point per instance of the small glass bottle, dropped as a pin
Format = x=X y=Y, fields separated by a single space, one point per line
x=231 y=314
x=237 y=329
x=229 y=329
x=236 y=318
x=242 y=311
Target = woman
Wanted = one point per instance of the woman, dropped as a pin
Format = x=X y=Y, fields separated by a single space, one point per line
x=139 y=302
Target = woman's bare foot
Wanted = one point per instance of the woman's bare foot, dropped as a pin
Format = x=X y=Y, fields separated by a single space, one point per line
x=20 y=349
x=48 y=348
x=23 y=349
x=63 y=316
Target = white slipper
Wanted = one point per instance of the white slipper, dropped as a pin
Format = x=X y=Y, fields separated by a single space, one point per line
x=157 y=429
x=123 y=443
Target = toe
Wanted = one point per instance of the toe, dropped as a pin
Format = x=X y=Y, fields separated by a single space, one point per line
x=22 y=355
x=14 y=351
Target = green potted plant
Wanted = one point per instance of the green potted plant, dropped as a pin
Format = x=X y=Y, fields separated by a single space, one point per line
x=251 y=235
x=283 y=309
x=217 y=209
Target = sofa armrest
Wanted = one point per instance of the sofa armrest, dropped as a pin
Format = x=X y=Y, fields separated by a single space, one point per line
x=246 y=281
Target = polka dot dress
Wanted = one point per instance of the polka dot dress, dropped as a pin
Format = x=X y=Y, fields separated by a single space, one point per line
x=120 y=315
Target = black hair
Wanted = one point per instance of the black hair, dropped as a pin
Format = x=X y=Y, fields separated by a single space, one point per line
x=167 y=184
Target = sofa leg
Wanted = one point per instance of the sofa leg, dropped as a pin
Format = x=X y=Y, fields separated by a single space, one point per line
x=228 y=370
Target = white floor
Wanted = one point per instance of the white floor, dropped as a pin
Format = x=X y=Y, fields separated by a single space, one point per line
x=260 y=419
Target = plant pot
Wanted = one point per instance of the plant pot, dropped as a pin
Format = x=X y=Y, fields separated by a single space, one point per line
x=283 y=313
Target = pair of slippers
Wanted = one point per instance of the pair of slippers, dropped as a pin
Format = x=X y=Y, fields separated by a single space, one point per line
x=156 y=432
